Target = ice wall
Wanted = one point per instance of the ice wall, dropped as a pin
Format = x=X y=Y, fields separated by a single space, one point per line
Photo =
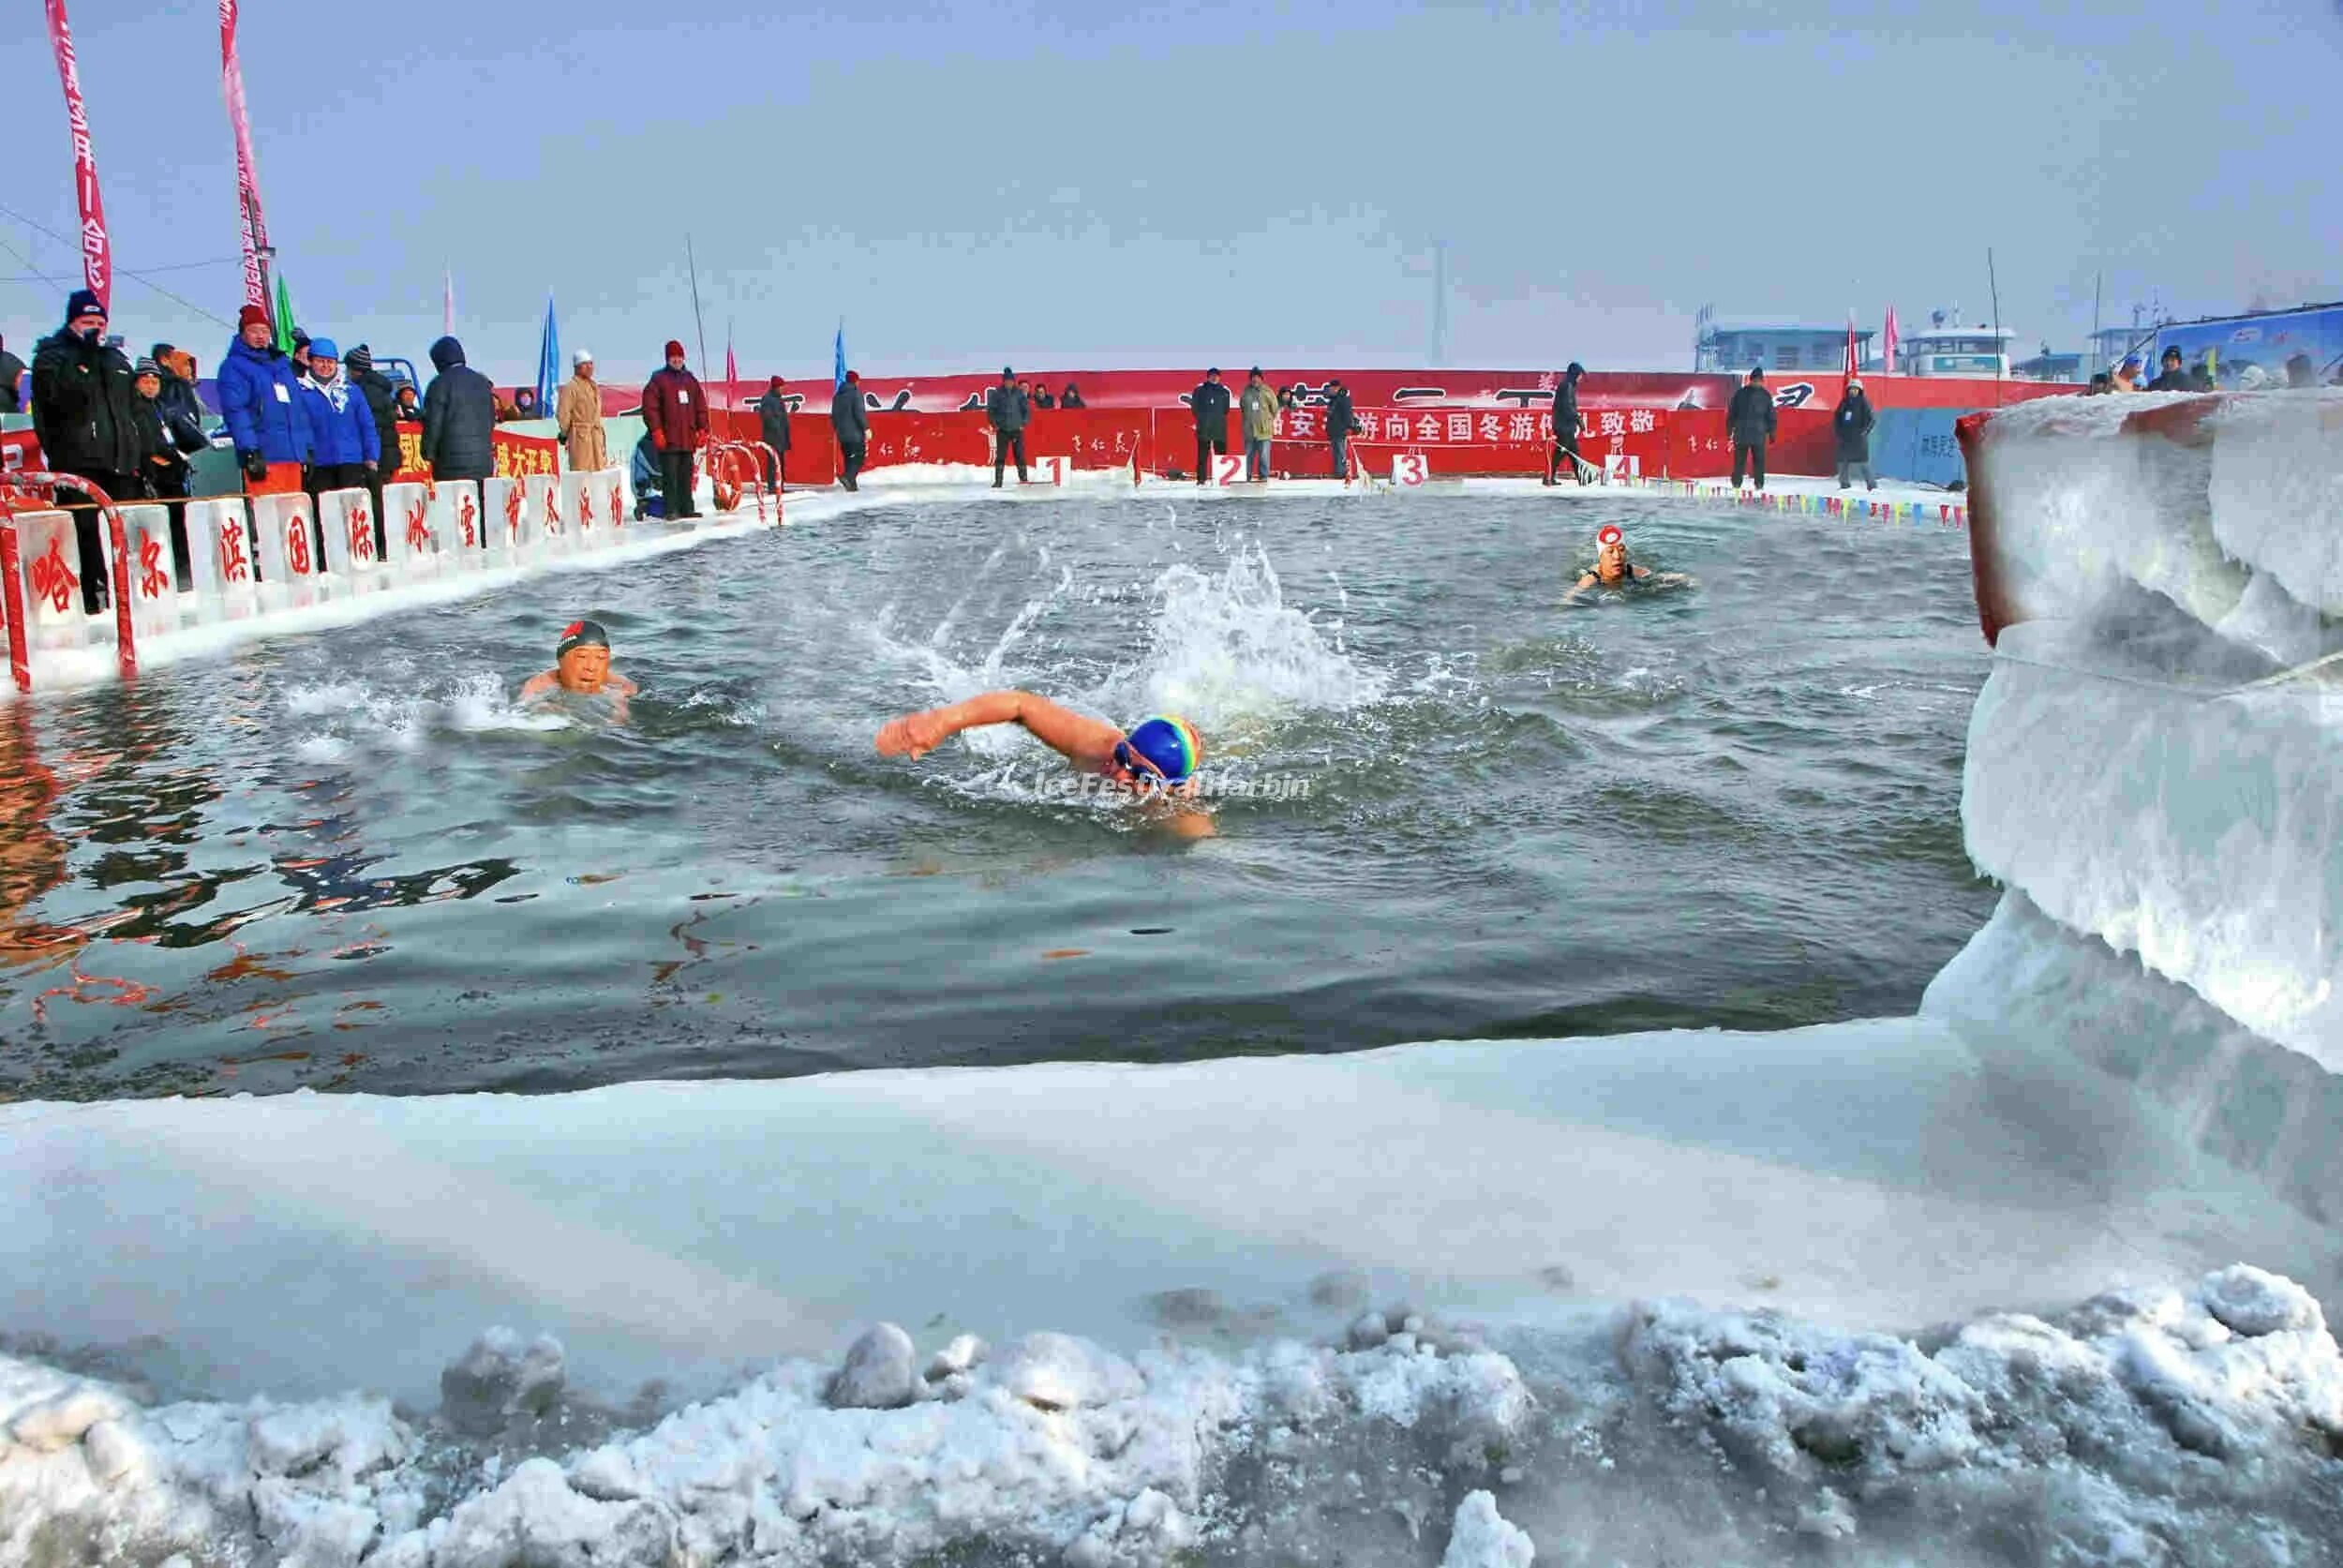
x=2153 y=761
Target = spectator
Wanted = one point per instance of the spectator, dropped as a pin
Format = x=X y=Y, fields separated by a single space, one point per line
x=647 y=501
x=260 y=397
x=2299 y=371
x=1285 y=399
x=851 y=421
x=344 y=452
x=175 y=373
x=2201 y=378
x=409 y=409
x=1340 y=424
x=2253 y=378
x=459 y=415
x=382 y=408
x=1071 y=398
x=2174 y=378
x=11 y=378
x=675 y=415
x=84 y=412
x=2127 y=374
x=166 y=438
x=1041 y=399
x=299 y=355
x=772 y=420
x=1566 y=422
x=2101 y=384
x=1752 y=420
x=577 y=417
x=1258 y=408
x=1209 y=402
x=525 y=403
x=1006 y=409
x=1851 y=425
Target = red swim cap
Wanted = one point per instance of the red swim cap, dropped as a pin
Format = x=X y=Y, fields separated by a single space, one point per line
x=1609 y=534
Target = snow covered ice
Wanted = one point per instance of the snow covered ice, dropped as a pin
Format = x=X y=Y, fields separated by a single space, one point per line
x=2044 y=1273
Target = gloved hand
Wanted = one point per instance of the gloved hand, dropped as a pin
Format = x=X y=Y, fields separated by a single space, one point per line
x=254 y=464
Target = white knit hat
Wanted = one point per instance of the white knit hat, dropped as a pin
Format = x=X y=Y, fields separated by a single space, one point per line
x=583 y=356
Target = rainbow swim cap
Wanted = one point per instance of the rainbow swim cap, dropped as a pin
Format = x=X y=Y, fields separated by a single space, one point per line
x=1164 y=744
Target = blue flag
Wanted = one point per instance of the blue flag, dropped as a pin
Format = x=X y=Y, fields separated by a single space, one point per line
x=548 y=364
x=838 y=374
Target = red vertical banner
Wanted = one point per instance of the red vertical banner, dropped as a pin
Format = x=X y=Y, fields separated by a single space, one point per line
x=249 y=220
x=98 y=261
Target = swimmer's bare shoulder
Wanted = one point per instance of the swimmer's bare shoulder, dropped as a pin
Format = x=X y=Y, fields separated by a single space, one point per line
x=538 y=685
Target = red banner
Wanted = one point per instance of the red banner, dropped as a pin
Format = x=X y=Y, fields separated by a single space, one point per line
x=254 y=227
x=98 y=268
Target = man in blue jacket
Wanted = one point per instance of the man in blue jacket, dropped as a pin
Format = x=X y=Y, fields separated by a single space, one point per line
x=261 y=399
x=344 y=447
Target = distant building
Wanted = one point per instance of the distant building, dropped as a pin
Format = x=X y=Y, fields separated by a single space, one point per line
x=2049 y=367
x=1946 y=347
x=1734 y=348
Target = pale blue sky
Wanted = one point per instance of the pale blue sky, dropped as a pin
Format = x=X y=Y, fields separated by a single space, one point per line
x=968 y=181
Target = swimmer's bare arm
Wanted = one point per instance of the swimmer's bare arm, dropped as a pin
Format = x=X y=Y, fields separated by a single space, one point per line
x=538 y=685
x=1080 y=740
x=619 y=684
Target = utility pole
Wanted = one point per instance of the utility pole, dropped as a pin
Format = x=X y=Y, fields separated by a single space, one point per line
x=1440 y=304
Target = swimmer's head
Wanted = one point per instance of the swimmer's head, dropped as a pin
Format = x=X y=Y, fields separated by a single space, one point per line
x=1610 y=547
x=1162 y=749
x=583 y=656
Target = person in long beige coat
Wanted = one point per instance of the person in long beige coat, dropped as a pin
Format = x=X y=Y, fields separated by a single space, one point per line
x=578 y=414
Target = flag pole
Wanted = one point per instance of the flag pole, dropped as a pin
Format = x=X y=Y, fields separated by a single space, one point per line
x=698 y=323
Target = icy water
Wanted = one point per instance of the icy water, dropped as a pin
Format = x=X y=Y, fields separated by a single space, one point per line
x=1451 y=805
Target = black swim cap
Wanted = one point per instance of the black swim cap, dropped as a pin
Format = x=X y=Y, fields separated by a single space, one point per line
x=581 y=634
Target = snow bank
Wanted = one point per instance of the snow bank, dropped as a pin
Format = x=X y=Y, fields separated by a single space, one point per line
x=2146 y=1425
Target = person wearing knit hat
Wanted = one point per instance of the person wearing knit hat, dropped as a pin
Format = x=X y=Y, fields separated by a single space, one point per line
x=1007 y=408
x=345 y=451
x=259 y=397
x=86 y=414
x=772 y=419
x=850 y=420
x=11 y=374
x=381 y=399
x=675 y=415
x=577 y=417
x=166 y=438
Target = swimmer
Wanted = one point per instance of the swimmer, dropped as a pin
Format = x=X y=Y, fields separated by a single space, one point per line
x=581 y=663
x=1613 y=570
x=1156 y=760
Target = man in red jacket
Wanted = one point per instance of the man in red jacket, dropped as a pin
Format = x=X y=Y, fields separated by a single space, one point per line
x=675 y=414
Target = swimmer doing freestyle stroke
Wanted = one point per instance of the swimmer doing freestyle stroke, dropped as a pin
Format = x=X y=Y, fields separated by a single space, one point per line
x=1613 y=570
x=581 y=665
x=1156 y=761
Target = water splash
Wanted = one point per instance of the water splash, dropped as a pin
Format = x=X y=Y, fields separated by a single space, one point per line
x=354 y=717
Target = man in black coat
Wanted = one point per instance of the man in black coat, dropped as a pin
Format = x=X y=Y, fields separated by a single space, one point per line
x=382 y=403
x=1340 y=422
x=1007 y=408
x=1851 y=425
x=1752 y=420
x=772 y=420
x=852 y=422
x=459 y=418
x=2174 y=379
x=1566 y=424
x=11 y=372
x=85 y=413
x=1210 y=403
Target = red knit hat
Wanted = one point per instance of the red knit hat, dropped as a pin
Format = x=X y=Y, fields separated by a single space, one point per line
x=675 y=349
x=855 y=375
x=250 y=314
x=776 y=383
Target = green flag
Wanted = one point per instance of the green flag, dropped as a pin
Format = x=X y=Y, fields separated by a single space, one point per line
x=284 y=316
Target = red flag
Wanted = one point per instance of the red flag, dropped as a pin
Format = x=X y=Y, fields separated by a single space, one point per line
x=732 y=371
x=98 y=259
x=1853 y=360
x=247 y=178
x=1887 y=341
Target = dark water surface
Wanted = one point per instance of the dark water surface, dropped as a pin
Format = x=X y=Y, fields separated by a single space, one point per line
x=1460 y=807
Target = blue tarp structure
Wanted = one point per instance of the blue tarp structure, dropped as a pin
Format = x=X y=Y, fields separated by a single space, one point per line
x=1916 y=445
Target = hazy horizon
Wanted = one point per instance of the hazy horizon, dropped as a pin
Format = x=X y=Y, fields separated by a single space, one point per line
x=1034 y=183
